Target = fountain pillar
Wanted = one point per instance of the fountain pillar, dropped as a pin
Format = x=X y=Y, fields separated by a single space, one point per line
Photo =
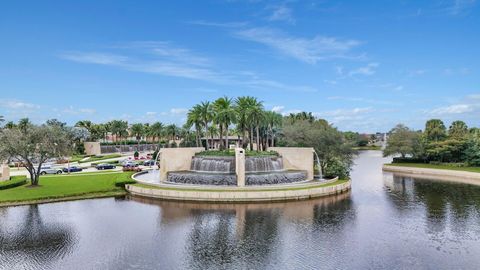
x=240 y=166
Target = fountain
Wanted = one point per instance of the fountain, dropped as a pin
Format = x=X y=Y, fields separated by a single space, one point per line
x=207 y=170
x=320 y=174
x=192 y=174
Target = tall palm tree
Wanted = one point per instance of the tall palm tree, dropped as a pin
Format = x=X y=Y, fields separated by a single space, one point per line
x=156 y=130
x=119 y=128
x=212 y=131
x=272 y=121
x=255 y=116
x=206 y=115
x=242 y=106
x=194 y=118
x=137 y=130
x=224 y=116
x=172 y=131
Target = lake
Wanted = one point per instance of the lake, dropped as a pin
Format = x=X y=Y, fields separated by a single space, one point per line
x=385 y=221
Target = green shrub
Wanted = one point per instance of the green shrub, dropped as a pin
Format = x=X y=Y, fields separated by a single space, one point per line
x=337 y=168
x=15 y=181
x=136 y=154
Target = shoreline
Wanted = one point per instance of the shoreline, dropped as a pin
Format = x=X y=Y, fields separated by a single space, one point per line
x=464 y=177
x=95 y=195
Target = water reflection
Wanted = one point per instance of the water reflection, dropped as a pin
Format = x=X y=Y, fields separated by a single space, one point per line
x=247 y=236
x=34 y=240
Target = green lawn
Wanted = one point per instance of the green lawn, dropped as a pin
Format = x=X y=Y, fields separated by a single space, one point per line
x=431 y=166
x=58 y=187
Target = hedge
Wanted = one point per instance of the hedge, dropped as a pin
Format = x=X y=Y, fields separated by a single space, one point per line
x=408 y=160
x=15 y=181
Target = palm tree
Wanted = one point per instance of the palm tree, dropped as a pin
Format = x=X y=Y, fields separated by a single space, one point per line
x=137 y=130
x=194 y=118
x=242 y=105
x=156 y=130
x=272 y=120
x=10 y=125
x=206 y=115
x=172 y=131
x=224 y=116
x=213 y=131
x=255 y=116
x=23 y=124
x=119 y=128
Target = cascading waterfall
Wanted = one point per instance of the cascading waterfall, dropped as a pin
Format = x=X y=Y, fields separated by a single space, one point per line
x=213 y=164
x=206 y=170
x=319 y=176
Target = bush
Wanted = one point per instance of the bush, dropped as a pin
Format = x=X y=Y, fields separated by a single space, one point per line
x=15 y=181
x=449 y=164
x=337 y=168
x=136 y=154
x=408 y=160
x=124 y=179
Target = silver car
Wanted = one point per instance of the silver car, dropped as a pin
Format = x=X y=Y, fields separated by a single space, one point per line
x=49 y=170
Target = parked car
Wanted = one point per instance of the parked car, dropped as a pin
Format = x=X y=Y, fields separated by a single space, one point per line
x=105 y=166
x=72 y=169
x=49 y=170
x=130 y=164
x=150 y=162
x=131 y=169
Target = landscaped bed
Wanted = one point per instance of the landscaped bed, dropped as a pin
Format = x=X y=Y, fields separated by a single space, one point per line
x=53 y=188
x=225 y=153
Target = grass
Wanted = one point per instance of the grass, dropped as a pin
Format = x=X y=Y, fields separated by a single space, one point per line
x=240 y=189
x=231 y=153
x=98 y=158
x=370 y=147
x=433 y=166
x=64 y=187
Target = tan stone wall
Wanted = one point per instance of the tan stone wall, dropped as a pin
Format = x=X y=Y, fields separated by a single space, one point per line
x=176 y=159
x=92 y=148
x=435 y=174
x=241 y=194
x=4 y=172
x=296 y=158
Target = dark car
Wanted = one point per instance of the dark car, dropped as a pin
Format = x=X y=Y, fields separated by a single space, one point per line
x=105 y=166
x=149 y=163
x=72 y=169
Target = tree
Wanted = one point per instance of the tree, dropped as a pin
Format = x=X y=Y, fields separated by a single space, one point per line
x=403 y=141
x=119 y=128
x=10 y=125
x=137 y=130
x=472 y=151
x=2 y=119
x=242 y=106
x=255 y=116
x=435 y=130
x=156 y=130
x=194 y=118
x=273 y=120
x=335 y=154
x=206 y=115
x=224 y=116
x=55 y=123
x=172 y=131
x=33 y=145
x=24 y=124
x=458 y=130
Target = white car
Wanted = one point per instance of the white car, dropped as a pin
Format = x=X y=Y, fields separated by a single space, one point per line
x=50 y=170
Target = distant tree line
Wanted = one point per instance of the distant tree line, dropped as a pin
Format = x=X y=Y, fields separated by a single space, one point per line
x=436 y=144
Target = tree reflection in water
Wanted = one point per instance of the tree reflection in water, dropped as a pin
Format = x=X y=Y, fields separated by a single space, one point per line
x=34 y=243
x=222 y=235
x=446 y=206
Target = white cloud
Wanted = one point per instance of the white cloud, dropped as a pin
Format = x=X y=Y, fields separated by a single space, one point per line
x=73 y=110
x=367 y=70
x=176 y=111
x=460 y=6
x=306 y=50
x=281 y=13
x=219 y=24
x=278 y=109
x=95 y=58
x=453 y=109
x=17 y=105
x=151 y=113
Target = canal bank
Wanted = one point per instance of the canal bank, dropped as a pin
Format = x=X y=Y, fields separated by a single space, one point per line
x=434 y=174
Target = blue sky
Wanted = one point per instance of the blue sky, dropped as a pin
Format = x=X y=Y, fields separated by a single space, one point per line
x=362 y=65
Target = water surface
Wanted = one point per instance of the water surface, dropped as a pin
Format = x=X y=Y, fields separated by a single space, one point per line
x=386 y=221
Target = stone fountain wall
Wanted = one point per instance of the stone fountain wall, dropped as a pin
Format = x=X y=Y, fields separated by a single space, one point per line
x=296 y=158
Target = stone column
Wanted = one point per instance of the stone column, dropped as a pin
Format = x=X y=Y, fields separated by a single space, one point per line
x=240 y=166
